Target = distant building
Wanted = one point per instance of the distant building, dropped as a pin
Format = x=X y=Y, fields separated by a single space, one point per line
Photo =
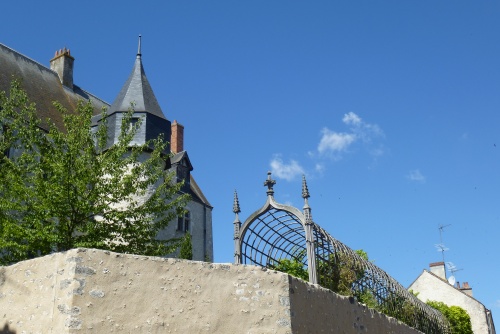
x=45 y=85
x=432 y=285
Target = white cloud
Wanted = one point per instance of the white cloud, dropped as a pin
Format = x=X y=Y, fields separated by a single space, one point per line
x=332 y=146
x=351 y=119
x=335 y=141
x=362 y=130
x=415 y=175
x=285 y=171
x=497 y=303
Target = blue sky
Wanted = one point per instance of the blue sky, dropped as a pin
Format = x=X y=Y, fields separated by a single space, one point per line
x=390 y=109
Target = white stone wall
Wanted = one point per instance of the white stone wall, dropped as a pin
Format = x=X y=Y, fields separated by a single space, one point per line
x=94 y=291
x=429 y=287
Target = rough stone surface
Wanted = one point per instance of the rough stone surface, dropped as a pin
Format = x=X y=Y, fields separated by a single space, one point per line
x=88 y=290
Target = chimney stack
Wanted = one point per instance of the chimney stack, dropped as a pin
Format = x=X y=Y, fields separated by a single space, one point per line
x=62 y=64
x=437 y=268
x=466 y=288
x=177 y=138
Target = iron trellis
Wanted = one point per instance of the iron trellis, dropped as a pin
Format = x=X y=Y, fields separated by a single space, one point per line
x=276 y=232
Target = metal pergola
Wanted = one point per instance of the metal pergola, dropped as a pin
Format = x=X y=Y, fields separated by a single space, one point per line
x=276 y=232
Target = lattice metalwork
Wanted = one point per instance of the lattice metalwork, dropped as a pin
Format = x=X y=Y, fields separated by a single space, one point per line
x=278 y=234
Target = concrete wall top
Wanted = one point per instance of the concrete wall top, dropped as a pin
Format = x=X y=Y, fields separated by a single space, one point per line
x=94 y=291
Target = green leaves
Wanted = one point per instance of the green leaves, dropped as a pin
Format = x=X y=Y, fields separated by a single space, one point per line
x=291 y=266
x=186 y=249
x=457 y=316
x=66 y=188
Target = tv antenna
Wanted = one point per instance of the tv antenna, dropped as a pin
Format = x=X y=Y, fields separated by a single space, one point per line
x=452 y=268
x=441 y=247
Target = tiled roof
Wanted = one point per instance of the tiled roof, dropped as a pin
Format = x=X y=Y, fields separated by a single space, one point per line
x=42 y=85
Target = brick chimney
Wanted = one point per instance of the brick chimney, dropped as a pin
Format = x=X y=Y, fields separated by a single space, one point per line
x=62 y=64
x=437 y=268
x=177 y=138
x=466 y=288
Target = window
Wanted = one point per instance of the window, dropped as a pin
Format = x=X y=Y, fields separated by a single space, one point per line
x=133 y=123
x=184 y=222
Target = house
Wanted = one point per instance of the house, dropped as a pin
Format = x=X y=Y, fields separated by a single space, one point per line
x=433 y=285
x=45 y=85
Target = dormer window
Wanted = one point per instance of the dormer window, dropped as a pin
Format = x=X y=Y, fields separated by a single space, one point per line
x=133 y=122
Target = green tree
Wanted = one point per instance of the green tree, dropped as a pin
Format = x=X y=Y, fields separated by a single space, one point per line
x=293 y=267
x=341 y=271
x=338 y=274
x=63 y=189
x=458 y=318
x=186 y=251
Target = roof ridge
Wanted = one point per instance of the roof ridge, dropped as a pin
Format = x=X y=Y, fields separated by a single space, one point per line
x=28 y=58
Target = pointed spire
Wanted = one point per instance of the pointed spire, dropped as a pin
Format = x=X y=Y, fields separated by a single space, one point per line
x=236 y=203
x=305 y=196
x=139 y=48
x=269 y=183
x=305 y=191
x=137 y=91
x=237 y=227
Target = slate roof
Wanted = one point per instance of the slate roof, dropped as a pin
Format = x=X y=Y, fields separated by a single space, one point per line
x=177 y=157
x=138 y=91
x=42 y=86
x=197 y=194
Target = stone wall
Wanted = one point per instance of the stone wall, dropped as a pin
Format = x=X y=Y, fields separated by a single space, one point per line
x=88 y=290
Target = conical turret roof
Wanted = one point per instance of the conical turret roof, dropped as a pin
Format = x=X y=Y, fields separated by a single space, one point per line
x=137 y=91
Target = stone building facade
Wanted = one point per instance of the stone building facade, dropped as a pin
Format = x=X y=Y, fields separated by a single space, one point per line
x=433 y=285
x=45 y=85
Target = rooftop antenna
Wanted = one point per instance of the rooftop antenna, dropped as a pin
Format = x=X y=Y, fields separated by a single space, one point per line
x=453 y=269
x=441 y=247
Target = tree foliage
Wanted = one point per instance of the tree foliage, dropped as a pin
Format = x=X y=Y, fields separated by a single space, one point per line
x=186 y=249
x=339 y=278
x=457 y=317
x=67 y=188
x=291 y=266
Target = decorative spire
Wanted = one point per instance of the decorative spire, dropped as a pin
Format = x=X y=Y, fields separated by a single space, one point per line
x=237 y=227
x=269 y=183
x=139 y=48
x=236 y=203
x=305 y=196
x=305 y=191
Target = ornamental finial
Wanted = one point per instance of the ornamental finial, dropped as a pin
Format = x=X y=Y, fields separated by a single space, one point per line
x=305 y=191
x=269 y=183
x=236 y=203
x=139 y=47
